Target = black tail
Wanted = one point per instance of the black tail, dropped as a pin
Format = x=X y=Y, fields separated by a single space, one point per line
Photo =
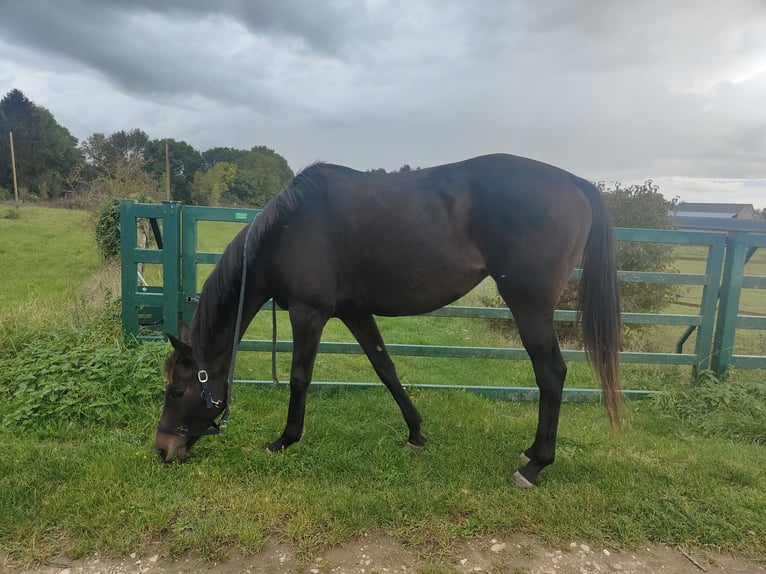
x=600 y=303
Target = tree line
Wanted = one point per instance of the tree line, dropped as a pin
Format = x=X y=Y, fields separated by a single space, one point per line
x=50 y=163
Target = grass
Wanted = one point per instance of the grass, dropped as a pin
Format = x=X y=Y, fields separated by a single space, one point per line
x=49 y=256
x=689 y=469
x=81 y=491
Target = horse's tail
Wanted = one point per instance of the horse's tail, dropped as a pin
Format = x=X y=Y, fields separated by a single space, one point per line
x=599 y=308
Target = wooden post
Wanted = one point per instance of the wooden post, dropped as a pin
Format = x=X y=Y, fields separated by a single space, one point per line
x=13 y=169
x=167 y=170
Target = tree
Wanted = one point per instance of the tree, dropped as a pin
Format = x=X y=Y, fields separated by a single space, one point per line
x=125 y=179
x=223 y=154
x=185 y=161
x=641 y=206
x=102 y=153
x=210 y=186
x=46 y=153
x=260 y=174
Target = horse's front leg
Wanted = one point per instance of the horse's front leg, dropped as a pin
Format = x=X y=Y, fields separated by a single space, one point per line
x=307 y=324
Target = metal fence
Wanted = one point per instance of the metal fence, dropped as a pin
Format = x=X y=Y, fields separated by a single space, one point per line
x=147 y=311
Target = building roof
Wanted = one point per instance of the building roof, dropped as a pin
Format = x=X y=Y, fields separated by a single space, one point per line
x=732 y=208
x=716 y=216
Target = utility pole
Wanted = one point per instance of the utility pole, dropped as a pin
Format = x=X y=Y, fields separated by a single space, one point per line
x=13 y=169
x=167 y=170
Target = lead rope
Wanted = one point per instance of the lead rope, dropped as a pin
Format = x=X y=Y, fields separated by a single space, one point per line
x=238 y=325
x=274 y=377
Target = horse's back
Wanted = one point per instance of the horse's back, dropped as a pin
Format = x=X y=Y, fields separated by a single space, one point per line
x=411 y=242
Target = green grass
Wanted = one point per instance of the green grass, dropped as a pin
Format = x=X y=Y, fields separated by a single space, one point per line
x=48 y=257
x=100 y=490
x=77 y=472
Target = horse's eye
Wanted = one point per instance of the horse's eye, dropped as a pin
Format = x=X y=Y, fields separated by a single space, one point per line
x=176 y=393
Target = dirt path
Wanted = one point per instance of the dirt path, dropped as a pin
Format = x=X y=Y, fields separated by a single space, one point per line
x=379 y=554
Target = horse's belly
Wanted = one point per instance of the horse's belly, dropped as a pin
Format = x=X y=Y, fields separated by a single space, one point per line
x=413 y=291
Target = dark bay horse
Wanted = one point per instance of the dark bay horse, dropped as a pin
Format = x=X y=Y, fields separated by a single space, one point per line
x=341 y=243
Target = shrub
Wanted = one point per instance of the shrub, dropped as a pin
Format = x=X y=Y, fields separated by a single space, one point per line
x=107 y=230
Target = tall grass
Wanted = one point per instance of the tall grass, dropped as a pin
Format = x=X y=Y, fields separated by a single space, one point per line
x=734 y=410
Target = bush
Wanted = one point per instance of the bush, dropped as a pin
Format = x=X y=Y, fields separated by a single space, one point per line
x=642 y=206
x=107 y=230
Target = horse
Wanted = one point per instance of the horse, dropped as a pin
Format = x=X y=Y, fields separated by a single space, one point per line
x=337 y=242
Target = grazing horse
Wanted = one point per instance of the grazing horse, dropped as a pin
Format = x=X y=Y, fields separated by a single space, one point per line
x=341 y=243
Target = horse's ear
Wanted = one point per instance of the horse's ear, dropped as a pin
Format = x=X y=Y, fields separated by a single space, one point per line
x=185 y=333
x=183 y=348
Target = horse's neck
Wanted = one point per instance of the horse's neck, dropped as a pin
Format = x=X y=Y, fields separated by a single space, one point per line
x=217 y=315
x=213 y=334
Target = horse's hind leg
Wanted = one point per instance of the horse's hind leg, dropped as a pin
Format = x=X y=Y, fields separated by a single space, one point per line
x=539 y=339
x=364 y=328
x=307 y=325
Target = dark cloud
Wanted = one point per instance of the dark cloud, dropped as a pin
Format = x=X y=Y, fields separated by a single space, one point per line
x=609 y=89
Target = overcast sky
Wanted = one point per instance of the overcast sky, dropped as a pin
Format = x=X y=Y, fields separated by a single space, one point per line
x=672 y=90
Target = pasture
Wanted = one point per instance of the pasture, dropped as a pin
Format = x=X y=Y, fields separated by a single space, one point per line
x=78 y=475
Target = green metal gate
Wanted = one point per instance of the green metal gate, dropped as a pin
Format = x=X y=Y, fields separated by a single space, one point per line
x=147 y=311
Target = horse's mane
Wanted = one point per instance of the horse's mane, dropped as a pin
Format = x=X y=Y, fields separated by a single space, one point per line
x=220 y=294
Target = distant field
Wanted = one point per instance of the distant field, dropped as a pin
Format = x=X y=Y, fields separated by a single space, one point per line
x=693 y=260
x=47 y=257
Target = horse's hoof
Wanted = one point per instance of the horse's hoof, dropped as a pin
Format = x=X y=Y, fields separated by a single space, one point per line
x=521 y=482
x=524 y=458
x=418 y=444
x=416 y=447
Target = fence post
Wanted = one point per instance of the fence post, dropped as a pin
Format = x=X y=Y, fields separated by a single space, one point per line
x=171 y=266
x=128 y=242
x=704 y=345
x=728 y=306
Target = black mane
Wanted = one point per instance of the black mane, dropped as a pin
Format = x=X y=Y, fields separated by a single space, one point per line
x=218 y=301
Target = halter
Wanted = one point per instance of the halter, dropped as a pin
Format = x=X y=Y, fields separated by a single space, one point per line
x=202 y=375
x=207 y=399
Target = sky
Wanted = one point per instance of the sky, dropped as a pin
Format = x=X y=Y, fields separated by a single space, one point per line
x=612 y=91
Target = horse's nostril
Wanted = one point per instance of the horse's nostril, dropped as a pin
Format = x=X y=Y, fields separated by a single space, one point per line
x=162 y=453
